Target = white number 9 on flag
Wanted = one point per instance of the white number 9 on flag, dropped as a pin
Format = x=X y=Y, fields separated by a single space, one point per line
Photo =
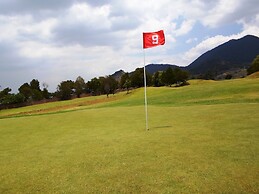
x=155 y=39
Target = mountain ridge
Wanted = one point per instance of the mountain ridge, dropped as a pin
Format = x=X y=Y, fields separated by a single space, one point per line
x=232 y=56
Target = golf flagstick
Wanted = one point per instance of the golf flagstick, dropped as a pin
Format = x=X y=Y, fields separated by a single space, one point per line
x=150 y=39
x=145 y=89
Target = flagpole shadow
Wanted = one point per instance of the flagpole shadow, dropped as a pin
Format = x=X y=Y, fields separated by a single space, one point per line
x=161 y=127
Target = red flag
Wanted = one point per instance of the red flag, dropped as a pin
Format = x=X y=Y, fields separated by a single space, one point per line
x=151 y=39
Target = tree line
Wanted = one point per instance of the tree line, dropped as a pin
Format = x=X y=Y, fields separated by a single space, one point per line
x=31 y=92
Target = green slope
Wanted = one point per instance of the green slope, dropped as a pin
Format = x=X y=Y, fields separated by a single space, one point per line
x=200 y=92
x=203 y=138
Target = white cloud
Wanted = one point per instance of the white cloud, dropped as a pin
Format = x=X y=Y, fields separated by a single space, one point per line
x=91 y=15
x=185 y=27
x=225 y=12
x=220 y=13
x=191 y=40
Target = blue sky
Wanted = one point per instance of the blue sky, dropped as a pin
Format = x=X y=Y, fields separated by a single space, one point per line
x=53 y=41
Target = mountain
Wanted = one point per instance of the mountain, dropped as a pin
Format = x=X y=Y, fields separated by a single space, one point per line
x=232 y=58
x=152 y=68
x=234 y=54
x=117 y=75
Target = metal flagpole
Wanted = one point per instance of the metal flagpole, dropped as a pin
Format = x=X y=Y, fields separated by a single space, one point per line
x=150 y=39
x=145 y=89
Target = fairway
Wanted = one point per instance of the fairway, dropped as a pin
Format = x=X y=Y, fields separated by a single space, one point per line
x=203 y=138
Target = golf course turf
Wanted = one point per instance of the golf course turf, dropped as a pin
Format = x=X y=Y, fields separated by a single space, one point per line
x=203 y=138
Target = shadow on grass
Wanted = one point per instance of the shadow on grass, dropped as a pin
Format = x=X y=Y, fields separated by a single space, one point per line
x=161 y=127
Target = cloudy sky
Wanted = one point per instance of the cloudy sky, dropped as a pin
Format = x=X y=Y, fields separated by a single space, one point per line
x=57 y=40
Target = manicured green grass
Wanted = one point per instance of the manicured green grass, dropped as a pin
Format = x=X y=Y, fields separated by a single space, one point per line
x=203 y=138
x=198 y=93
x=58 y=106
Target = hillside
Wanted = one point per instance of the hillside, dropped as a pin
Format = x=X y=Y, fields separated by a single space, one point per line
x=234 y=54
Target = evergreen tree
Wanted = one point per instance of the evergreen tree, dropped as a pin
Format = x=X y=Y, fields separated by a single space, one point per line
x=94 y=86
x=123 y=80
x=36 y=92
x=254 y=66
x=25 y=89
x=168 y=77
x=79 y=86
x=65 y=90
x=156 y=79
